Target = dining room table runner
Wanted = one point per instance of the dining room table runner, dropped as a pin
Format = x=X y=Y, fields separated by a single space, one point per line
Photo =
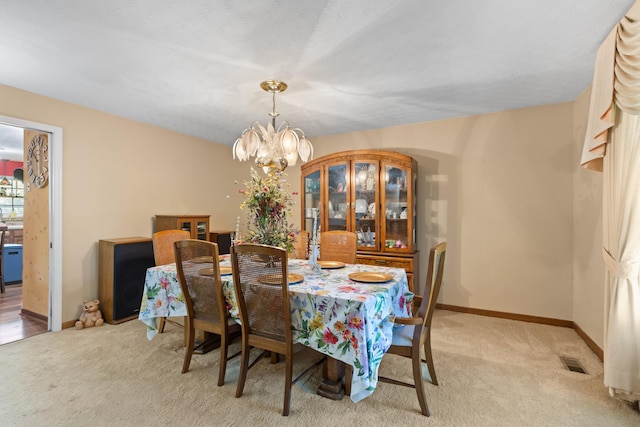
x=347 y=320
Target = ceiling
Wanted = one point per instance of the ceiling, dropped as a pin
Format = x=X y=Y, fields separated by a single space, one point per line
x=195 y=67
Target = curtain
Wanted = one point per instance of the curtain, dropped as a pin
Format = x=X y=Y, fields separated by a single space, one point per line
x=612 y=145
x=621 y=250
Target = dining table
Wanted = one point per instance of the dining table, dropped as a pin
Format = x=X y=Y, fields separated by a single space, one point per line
x=344 y=311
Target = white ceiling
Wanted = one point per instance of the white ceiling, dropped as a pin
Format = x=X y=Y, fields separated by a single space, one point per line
x=195 y=66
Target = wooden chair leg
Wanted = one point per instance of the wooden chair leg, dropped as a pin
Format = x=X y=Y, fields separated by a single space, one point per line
x=188 y=351
x=161 y=323
x=244 y=367
x=287 y=386
x=224 y=338
x=419 y=382
x=429 y=360
x=186 y=330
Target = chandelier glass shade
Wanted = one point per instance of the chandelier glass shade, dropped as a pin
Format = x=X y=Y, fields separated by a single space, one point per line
x=274 y=148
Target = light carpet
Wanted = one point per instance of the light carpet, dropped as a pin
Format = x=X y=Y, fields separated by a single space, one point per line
x=492 y=372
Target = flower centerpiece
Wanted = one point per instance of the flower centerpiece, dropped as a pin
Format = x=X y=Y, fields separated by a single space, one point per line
x=269 y=204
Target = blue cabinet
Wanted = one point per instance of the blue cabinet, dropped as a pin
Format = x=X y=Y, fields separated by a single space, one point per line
x=12 y=259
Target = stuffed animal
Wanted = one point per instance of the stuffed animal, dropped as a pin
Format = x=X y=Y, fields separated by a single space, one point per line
x=91 y=316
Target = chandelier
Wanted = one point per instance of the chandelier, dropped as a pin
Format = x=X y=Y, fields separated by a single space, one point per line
x=273 y=149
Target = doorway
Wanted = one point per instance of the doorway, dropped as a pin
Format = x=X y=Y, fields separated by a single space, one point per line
x=13 y=326
x=55 y=215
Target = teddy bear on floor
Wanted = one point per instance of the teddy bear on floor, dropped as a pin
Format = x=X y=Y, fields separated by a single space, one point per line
x=91 y=316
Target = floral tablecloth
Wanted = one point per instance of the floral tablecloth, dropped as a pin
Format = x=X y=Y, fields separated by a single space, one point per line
x=347 y=320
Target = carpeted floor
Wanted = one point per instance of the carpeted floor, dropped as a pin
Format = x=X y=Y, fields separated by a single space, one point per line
x=492 y=372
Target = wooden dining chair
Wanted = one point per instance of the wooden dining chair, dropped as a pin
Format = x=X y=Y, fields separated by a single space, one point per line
x=338 y=246
x=164 y=253
x=415 y=335
x=301 y=245
x=260 y=277
x=204 y=298
x=163 y=249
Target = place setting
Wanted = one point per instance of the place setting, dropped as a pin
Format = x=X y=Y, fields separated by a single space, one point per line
x=224 y=271
x=202 y=260
x=331 y=265
x=370 y=277
x=276 y=279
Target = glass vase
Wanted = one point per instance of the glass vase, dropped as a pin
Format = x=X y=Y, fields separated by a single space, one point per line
x=314 y=252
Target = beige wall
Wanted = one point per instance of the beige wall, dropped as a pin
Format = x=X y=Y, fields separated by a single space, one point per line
x=497 y=187
x=117 y=175
x=588 y=268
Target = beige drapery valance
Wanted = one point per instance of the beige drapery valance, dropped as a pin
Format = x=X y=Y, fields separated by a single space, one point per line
x=616 y=78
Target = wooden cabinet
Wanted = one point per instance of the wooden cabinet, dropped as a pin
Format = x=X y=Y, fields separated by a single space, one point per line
x=409 y=263
x=13 y=235
x=223 y=239
x=122 y=267
x=371 y=193
x=197 y=225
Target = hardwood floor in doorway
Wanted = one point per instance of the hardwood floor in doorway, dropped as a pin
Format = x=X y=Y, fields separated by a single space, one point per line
x=14 y=326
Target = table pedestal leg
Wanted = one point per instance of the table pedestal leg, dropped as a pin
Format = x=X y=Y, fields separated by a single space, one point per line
x=204 y=341
x=331 y=387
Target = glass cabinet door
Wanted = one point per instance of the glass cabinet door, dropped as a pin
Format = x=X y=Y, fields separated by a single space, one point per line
x=365 y=205
x=201 y=226
x=185 y=225
x=311 y=198
x=337 y=210
x=398 y=224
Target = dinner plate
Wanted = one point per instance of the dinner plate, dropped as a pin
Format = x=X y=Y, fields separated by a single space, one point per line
x=209 y=271
x=206 y=271
x=202 y=259
x=276 y=279
x=370 y=277
x=331 y=264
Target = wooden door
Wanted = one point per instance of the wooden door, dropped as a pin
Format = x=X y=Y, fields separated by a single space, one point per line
x=35 y=271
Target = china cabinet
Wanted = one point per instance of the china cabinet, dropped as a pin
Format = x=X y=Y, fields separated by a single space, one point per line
x=371 y=193
x=197 y=225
